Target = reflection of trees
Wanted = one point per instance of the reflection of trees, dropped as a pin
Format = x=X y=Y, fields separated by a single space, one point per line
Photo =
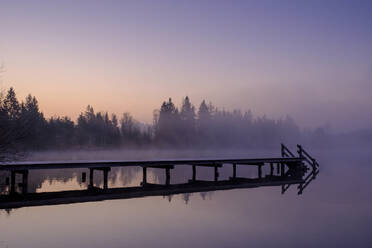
x=117 y=176
x=3 y=176
x=186 y=197
x=123 y=176
x=6 y=211
x=168 y=197
x=204 y=195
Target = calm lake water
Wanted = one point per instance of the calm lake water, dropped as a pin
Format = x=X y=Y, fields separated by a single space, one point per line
x=335 y=210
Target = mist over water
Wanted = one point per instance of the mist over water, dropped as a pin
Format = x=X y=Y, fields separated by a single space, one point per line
x=334 y=210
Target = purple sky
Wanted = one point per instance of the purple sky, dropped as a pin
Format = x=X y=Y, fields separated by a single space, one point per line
x=309 y=59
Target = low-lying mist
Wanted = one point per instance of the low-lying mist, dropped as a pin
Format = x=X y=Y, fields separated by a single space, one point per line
x=184 y=132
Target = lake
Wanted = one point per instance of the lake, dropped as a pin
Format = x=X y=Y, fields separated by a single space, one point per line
x=333 y=211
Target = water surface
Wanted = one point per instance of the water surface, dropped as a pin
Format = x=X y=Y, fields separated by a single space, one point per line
x=333 y=211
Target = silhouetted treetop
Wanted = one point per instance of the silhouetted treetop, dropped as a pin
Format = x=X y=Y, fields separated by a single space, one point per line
x=23 y=126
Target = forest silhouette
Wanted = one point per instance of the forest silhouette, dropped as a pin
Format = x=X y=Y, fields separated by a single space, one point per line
x=23 y=127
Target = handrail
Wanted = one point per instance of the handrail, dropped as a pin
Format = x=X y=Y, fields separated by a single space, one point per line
x=286 y=152
x=312 y=175
x=306 y=158
x=307 y=181
x=303 y=154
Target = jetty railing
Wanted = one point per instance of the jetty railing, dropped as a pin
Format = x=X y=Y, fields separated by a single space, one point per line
x=286 y=152
x=302 y=153
x=313 y=163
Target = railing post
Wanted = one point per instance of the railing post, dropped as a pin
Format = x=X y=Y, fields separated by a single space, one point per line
x=300 y=151
x=282 y=149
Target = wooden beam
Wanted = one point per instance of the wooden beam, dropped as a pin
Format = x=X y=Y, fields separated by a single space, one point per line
x=159 y=166
x=209 y=165
x=103 y=168
x=257 y=164
x=151 y=163
x=80 y=196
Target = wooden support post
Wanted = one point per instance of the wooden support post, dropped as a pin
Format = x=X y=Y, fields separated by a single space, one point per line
x=144 y=173
x=91 y=174
x=24 y=181
x=282 y=169
x=12 y=182
x=234 y=171
x=83 y=177
x=271 y=169
x=259 y=171
x=7 y=181
x=105 y=178
x=167 y=176
x=277 y=168
x=216 y=174
x=194 y=173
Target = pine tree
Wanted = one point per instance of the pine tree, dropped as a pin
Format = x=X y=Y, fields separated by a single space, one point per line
x=187 y=128
x=11 y=105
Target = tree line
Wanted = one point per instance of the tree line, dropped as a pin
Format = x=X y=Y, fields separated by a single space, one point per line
x=24 y=127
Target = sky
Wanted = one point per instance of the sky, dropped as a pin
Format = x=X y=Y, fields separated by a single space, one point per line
x=309 y=59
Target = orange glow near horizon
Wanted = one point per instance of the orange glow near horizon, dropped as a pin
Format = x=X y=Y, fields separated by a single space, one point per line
x=128 y=57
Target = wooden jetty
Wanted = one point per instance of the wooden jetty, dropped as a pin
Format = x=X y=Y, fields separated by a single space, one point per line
x=284 y=171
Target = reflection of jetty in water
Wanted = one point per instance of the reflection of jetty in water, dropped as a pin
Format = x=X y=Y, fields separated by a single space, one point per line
x=284 y=171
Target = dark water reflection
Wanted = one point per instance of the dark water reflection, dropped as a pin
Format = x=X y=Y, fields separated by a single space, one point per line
x=334 y=211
